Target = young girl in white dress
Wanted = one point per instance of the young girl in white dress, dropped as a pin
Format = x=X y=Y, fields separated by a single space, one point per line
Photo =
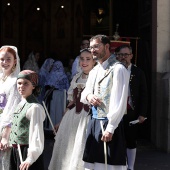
x=70 y=139
x=9 y=97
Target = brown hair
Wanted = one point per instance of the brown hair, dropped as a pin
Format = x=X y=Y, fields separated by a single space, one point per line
x=10 y=50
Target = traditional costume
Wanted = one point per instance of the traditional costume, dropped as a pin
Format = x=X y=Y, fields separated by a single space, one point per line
x=108 y=81
x=70 y=138
x=55 y=96
x=27 y=128
x=43 y=76
x=137 y=106
x=9 y=99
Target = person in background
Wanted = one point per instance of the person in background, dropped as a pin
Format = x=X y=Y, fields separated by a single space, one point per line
x=75 y=66
x=70 y=137
x=32 y=62
x=27 y=125
x=55 y=95
x=44 y=76
x=106 y=91
x=137 y=101
x=57 y=77
x=69 y=68
x=9 y=97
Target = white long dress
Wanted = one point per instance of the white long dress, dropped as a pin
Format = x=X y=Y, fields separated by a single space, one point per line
x=70 y=139
x=9 y=99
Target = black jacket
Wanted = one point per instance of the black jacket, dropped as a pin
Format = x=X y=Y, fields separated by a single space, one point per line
x=138 y=90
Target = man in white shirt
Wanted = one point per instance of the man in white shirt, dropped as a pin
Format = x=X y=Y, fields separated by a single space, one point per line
x=75 y=66
x=106 y=91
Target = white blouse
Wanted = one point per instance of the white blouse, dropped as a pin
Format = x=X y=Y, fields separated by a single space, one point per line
x=8 y=89
x=119 y=92
x=77 y=80
x=36 y=115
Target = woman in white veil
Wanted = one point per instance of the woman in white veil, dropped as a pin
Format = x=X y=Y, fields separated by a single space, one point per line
x=9 y=97
x=32 y=62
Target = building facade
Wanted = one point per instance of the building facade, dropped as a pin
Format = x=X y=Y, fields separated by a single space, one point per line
x=56 y=27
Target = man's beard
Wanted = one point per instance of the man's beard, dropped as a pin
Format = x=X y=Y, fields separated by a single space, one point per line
x=100 y=56
x=124 y=62
x=95 y=57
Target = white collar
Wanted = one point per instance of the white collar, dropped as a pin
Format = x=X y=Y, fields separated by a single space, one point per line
x=105 y=64
x=129 y=67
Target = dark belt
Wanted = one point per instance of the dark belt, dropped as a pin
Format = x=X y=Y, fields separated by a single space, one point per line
x=16 y=146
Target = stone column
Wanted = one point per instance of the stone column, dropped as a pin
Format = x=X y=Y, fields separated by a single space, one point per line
x=160 y=116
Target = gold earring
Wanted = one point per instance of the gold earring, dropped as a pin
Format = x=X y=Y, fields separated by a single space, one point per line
x=13 y=68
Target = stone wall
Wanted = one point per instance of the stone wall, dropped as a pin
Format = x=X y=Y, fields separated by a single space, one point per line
x=160 y=112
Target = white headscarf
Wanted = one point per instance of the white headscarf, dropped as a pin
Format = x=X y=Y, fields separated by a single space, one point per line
x=31 y=63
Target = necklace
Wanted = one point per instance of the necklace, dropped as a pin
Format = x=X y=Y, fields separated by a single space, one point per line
x=4 y=78
x=85 y=75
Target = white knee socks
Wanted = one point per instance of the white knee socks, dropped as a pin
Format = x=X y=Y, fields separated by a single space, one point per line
x=131 y=155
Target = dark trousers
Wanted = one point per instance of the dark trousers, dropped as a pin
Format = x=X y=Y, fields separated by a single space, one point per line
x=15 y=160
x=130 y=131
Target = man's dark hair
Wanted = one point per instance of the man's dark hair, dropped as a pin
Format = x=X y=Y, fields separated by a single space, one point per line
x=123 y=46
x=103 y=38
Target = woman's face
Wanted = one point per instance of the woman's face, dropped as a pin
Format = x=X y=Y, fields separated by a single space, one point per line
x=7 y=61
x=25 y=87
x=86 y=62
x=37 y=56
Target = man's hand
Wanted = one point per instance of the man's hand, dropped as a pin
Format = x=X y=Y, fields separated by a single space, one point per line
x=94 y=100
x=141 y=119
x=24 y=166
x=107 y=136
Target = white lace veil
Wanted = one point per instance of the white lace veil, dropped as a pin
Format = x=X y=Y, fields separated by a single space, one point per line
x=17 y=69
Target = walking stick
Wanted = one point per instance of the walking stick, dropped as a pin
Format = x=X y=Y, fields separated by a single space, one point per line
x=64 y=105
x=49 y=117
x=105 y=151
x=20 y=155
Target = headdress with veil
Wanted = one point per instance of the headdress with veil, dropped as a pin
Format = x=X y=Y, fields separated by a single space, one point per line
x=45 y=71
x=31 y=63
x=57 y=77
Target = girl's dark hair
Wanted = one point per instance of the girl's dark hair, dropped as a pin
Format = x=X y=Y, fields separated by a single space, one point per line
x=85 y=49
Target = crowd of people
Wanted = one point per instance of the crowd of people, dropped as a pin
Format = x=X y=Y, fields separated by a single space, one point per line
x=101 y=96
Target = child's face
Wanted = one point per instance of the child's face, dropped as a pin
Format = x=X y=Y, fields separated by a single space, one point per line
x=7 y=61
x=25 y=87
